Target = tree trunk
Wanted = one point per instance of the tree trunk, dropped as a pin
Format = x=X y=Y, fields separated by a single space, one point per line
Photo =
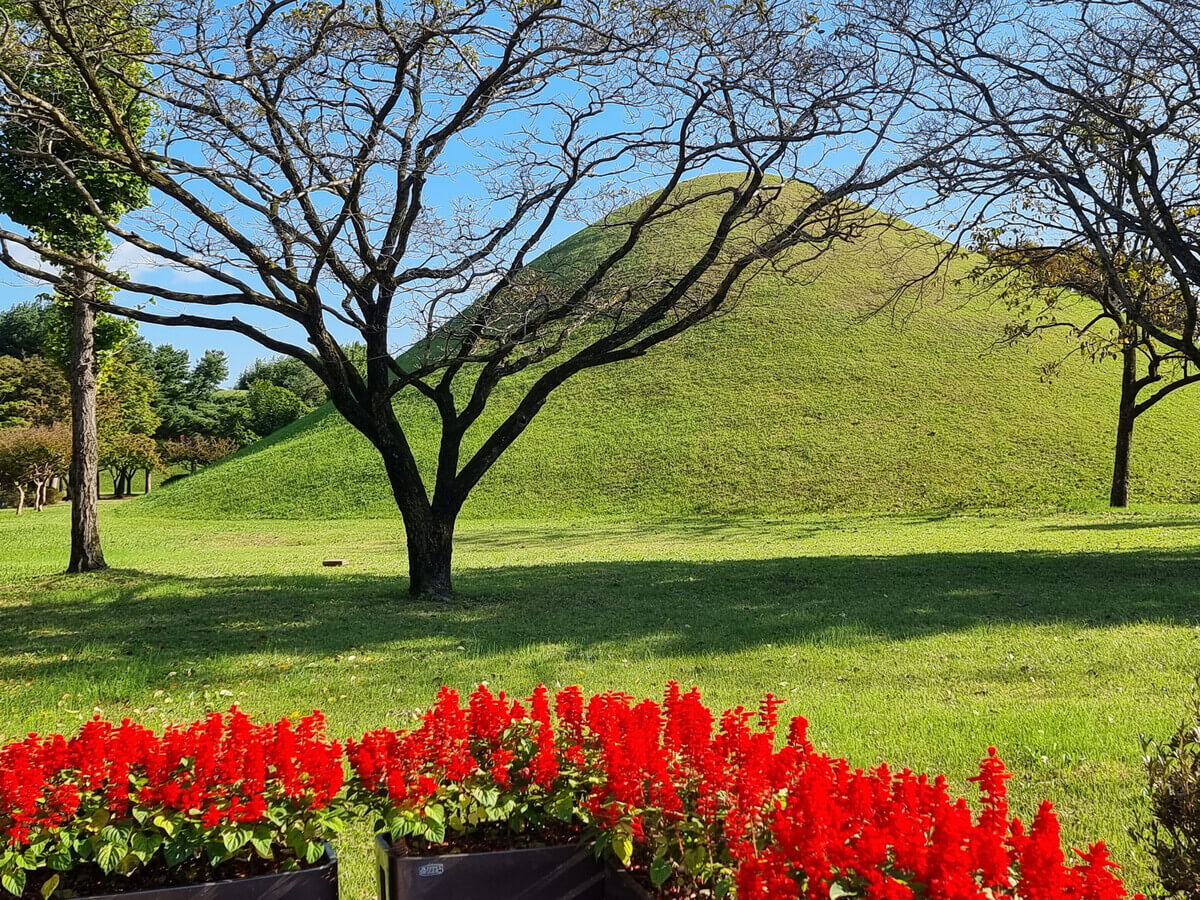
x=149 y=480
x=1126 y=416
x=20 y=499
x=430 y=549
x=86 y=554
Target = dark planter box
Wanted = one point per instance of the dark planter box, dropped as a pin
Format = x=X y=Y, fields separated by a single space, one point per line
x=319 y=882
x=569 y=872
x=620 y=885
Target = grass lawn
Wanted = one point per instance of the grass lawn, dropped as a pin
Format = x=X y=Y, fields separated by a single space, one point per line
x=919 y=639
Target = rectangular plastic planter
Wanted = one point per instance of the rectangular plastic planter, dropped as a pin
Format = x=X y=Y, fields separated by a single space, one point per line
x=317 y=882
x=569 y=872
x=620 y=885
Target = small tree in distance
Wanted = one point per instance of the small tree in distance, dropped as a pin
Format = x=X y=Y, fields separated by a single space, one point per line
x=30 y=458
x=304 y=153
x=124 y=454
x=197 y=450
x=1066 y=288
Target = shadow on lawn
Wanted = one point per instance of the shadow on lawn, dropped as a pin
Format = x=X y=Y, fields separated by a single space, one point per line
x=681 y=607
x=1125 y=525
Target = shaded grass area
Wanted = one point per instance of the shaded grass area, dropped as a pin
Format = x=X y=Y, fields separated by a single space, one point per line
x=919 y=639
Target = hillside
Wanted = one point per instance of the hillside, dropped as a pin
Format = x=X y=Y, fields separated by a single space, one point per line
x=788 y=403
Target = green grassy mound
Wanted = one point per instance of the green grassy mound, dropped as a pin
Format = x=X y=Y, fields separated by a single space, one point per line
x=791 y=402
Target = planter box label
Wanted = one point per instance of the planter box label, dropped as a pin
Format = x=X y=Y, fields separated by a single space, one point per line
x=430 y=869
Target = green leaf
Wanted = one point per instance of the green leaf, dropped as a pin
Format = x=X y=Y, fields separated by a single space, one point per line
x=485 y=796
x=235 y=839
x=435 y=812
x=13 y=881
x=177 y=852
x=693 y=859
x=836 y=892
x=622 y=847
x=49 y=886
x=111 y=834
x=660 y=871
x=296 y=842
x=262 y=839
x=315 y=851
x=146 y=843
x=435 y=832
x=108 y=857
x=167 y=826
x=563 y=808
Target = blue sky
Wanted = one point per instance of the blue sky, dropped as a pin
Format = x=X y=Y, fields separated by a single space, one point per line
x=442 y=193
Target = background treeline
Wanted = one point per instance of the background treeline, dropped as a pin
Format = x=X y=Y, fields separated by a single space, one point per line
x=158 y=411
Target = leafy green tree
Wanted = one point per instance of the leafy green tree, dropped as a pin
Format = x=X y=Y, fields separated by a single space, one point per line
x=23 y=329
x=285 y=372
x=126 y=402
x=208 y=373
x=273 y=407
x=67 y=198
x=185 y=395
x=1046 y=286
x=109 y=334
x=124 y=454
x=32 y=392
x=30 y=458
x=232 y=418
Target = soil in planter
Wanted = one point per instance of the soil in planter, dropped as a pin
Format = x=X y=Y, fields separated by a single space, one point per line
x=485 y=838
x=639 y=870
x=672 y=890
x=90 y=880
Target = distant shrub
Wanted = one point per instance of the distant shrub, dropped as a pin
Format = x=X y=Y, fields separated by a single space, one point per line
x=196 y=450
x=1171 y=834
x=272 y=407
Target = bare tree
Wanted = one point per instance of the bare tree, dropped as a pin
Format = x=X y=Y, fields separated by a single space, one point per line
x=387 y=173
x=1076 y=156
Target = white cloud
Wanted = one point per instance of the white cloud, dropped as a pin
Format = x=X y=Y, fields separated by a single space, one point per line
x=139 y=264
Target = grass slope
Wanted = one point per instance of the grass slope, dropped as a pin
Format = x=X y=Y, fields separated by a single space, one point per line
x=917 y=639
x=788 y=403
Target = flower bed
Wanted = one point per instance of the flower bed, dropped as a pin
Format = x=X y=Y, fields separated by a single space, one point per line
x=119 y=807
x=689 y=803
x=693 y=802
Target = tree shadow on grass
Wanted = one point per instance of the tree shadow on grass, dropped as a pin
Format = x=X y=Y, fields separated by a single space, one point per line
x=1125 y=525
x=682 y=607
